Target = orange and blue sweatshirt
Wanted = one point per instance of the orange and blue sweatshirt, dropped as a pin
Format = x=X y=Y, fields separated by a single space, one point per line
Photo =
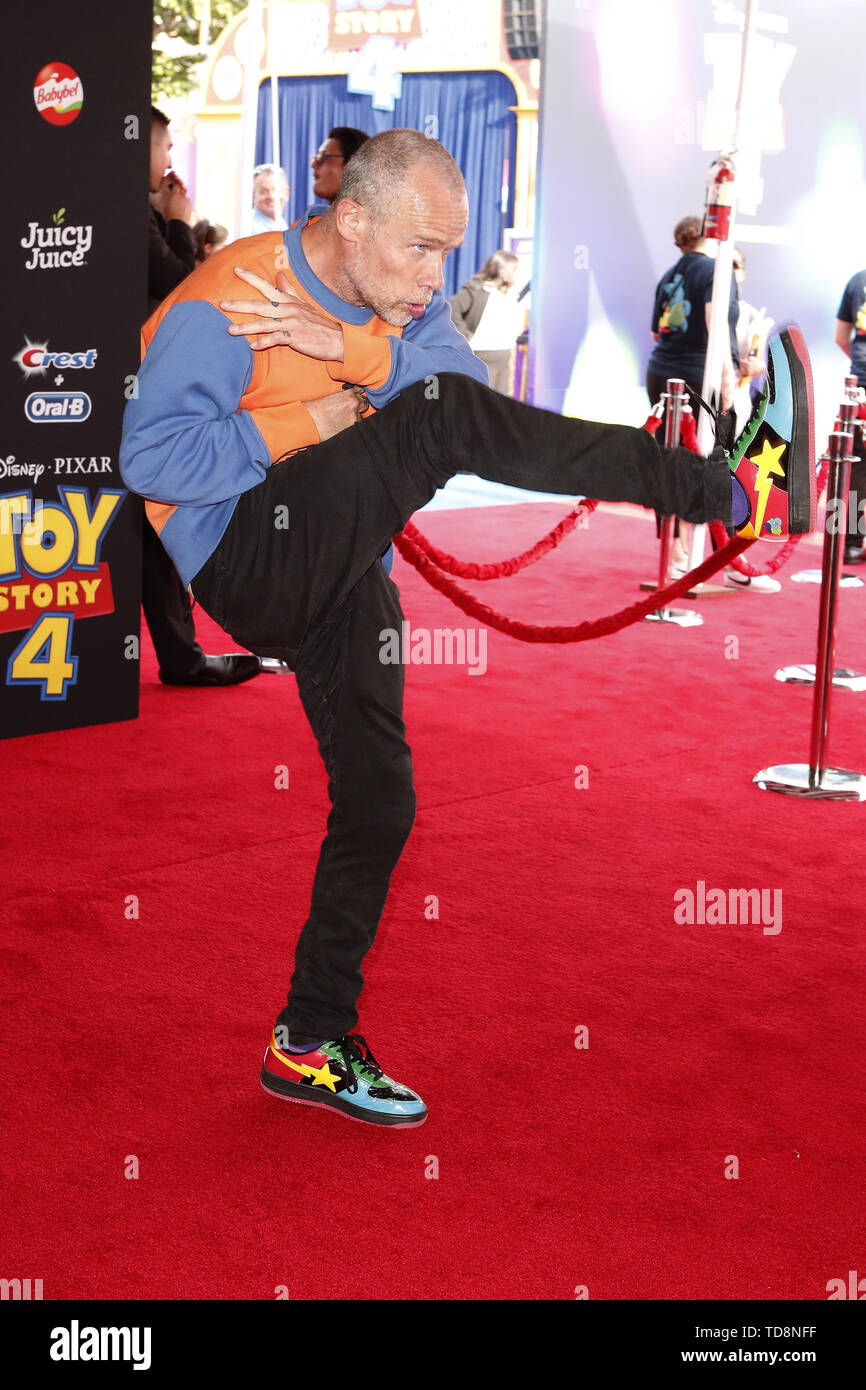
x=211 y=415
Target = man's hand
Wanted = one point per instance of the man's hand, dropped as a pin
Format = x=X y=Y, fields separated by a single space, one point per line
x=171 y=200
x=285 y=320
x=336 y=412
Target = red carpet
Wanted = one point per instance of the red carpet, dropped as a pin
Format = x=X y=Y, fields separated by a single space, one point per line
x=557 y=1168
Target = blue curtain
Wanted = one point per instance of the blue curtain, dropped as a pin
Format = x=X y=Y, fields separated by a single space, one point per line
x=474 y=124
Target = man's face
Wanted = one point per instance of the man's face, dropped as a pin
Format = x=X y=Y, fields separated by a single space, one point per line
x=270 y=193
x=395 y=264
x=328 y=165
x=160 y=154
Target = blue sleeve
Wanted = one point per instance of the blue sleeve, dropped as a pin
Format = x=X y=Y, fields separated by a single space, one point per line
x=429 y=345
x=184 y=440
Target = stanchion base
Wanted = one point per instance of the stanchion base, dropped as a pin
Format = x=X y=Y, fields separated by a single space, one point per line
x=843 y=679
x=846 y=581
x=795 y=779
x=678 y=617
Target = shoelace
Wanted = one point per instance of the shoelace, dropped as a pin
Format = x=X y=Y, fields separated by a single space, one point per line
x=713 y=414
x=351 y=1052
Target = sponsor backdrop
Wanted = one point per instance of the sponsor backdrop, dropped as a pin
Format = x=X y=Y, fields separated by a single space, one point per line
x=73 y=242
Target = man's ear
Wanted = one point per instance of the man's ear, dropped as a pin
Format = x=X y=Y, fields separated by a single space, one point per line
x=352 y=220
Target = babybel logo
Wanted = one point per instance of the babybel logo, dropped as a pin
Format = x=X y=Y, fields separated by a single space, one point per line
x=56 y=247
x=58 y=93
x=52 y=407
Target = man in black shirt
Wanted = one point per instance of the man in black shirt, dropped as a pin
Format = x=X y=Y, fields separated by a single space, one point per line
x=167 y=608
x=851 y=337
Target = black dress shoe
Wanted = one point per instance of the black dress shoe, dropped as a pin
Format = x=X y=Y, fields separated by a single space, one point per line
x=231 y=669
x=855 y=555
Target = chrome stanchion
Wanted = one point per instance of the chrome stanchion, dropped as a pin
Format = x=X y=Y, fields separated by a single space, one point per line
x=853 y=393
x=842 y=677
x=815 y=779
x=674 y=401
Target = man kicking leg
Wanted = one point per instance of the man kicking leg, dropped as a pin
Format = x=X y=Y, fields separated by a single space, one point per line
x=290 y=436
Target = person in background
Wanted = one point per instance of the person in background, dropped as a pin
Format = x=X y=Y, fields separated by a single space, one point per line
x=331 y=158
x=270 y=195
x=681 y=315
x=209 y=237
x=851 y=338
x=753 y=331
x=488 y=315
x=680 y=323
x=171 y=244
x=166 y=603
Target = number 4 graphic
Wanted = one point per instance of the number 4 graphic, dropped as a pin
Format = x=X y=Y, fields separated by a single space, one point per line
x=376 y=74
x=44 y=657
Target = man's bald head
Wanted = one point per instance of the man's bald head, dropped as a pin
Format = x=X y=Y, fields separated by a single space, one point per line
x=391 y=164
x=401 y=209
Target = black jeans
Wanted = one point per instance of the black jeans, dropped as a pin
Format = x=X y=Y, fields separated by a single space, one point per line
x=297 y=575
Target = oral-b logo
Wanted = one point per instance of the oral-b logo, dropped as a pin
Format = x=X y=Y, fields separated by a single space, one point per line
x=52 y=407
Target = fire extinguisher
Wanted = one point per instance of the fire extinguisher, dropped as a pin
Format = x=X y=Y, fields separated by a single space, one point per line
x=720 y=199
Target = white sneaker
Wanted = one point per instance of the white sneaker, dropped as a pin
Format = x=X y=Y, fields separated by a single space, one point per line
x=759 y=584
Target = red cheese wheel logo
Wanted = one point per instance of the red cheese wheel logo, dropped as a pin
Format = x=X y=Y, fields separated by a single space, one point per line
x=58 y=93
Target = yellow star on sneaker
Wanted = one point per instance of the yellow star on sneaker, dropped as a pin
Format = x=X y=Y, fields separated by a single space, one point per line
x=768 y=466
x=323 y=1077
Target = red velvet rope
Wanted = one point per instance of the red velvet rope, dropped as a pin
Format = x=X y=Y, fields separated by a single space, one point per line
x=579 y=632
x=435 y=565
x=432 y=563
x=500 y=569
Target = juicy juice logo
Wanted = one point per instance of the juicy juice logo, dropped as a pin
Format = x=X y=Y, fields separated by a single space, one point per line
x=58 y=93
x=56 y=246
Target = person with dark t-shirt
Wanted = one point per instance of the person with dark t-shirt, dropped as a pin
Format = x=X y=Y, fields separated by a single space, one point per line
x=851 y=337
x=680 y=322
x=166 y=603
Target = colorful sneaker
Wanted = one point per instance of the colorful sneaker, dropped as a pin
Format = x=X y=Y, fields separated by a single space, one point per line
x=341 y=1075
x=774 y=457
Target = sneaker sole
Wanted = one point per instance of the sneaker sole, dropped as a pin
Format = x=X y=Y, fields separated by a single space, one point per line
x=333 y=1104
x=802 y=490
x=788 y=413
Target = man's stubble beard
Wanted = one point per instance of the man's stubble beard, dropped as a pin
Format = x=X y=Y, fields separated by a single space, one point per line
x=367 y=296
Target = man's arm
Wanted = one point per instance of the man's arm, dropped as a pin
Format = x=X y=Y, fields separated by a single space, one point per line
x=184 y=439
x=429 y=345
x=171 y=257
x=384 y=366
x=843 y=336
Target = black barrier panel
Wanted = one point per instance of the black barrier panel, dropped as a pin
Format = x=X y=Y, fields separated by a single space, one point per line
x=73 y=245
